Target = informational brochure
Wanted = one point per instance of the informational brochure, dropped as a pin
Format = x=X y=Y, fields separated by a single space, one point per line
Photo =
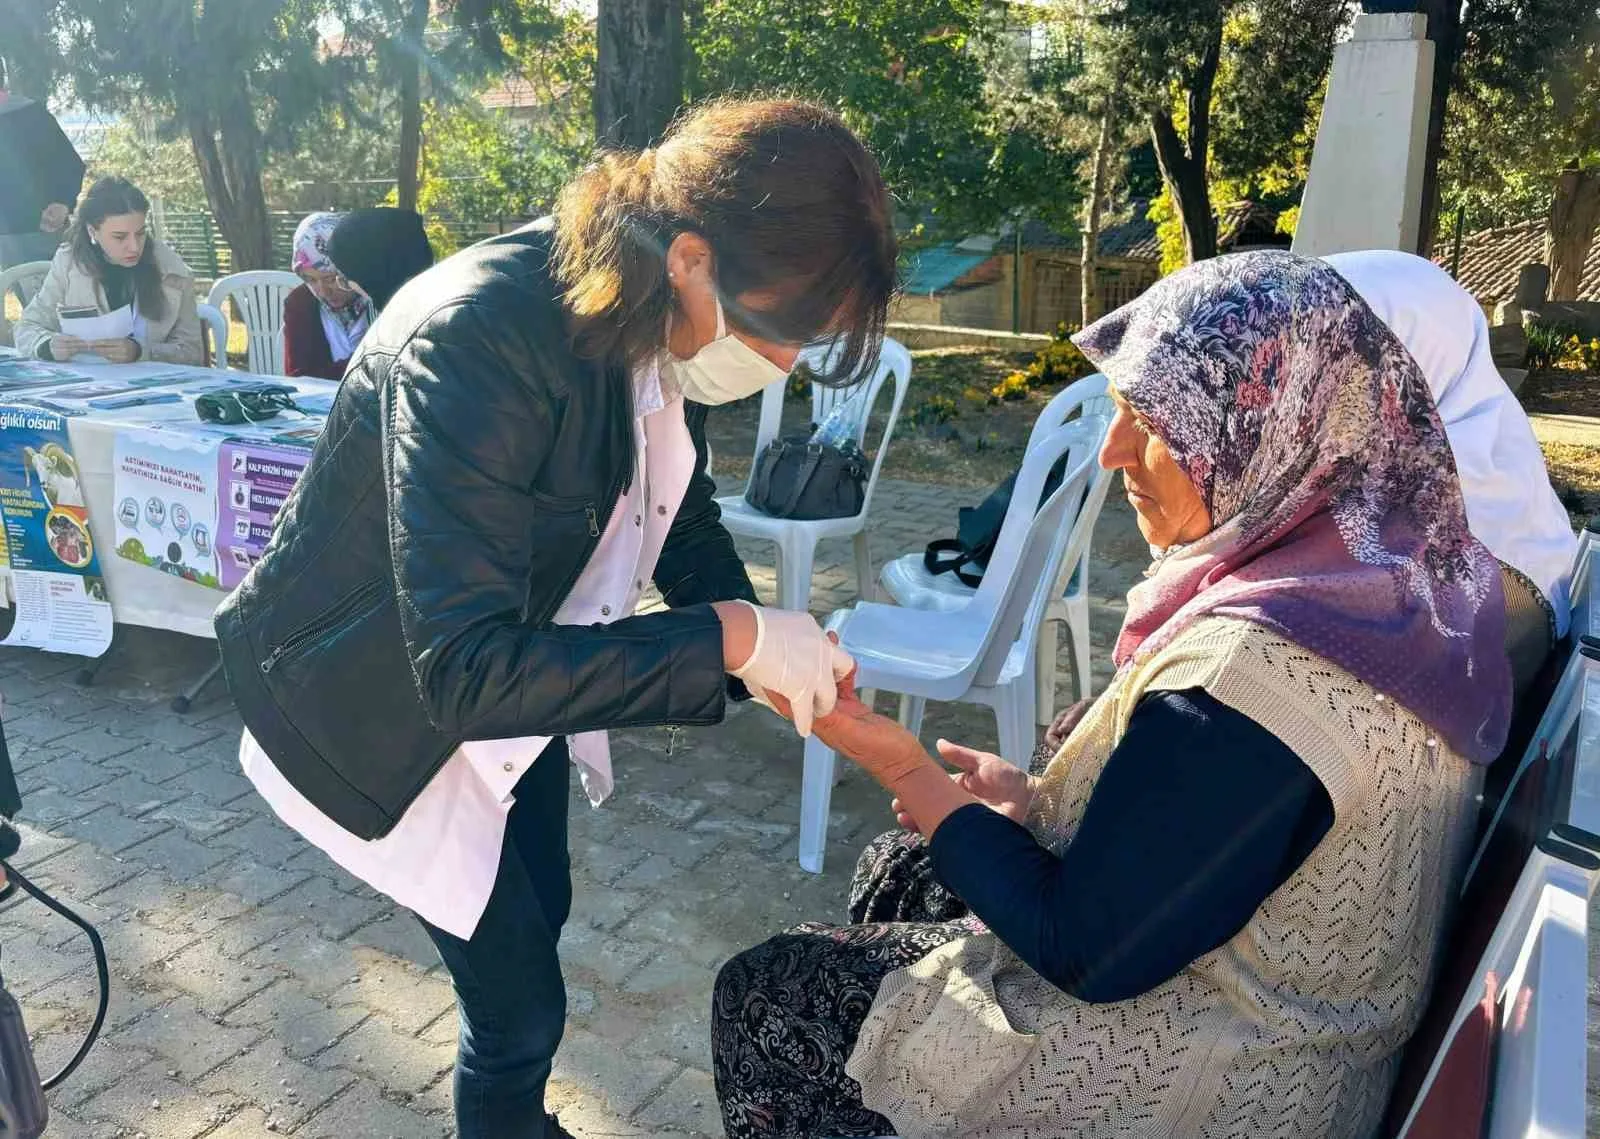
x=113 y=325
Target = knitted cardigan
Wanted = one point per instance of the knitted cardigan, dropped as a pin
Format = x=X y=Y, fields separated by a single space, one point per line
x=1292 y=1028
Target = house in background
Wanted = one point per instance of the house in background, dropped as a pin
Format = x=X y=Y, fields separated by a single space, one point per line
x=1492 y=260
x=970 y=283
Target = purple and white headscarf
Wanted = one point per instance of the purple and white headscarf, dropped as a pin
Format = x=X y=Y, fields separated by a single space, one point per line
x=1336 y=509
x=345 y=326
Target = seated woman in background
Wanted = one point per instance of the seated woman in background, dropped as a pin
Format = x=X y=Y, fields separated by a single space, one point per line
x=325 y=317
x=1217 y=911
x=380 y=249
x=111 y=262
x=1511 y=507
x=352 y=265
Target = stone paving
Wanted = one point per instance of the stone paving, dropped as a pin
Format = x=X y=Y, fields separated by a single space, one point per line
x=258 y=990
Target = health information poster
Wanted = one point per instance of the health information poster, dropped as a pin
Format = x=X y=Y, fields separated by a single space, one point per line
x=254 y=481
x=165 y=488
x=54 y=593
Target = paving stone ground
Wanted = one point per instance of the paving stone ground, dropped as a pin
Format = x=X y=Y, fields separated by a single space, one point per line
x=258 y=990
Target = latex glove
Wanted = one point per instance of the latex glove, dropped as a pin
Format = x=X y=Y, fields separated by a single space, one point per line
x=794 y=658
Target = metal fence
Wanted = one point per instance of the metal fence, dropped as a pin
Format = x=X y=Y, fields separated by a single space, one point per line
x=199 y=241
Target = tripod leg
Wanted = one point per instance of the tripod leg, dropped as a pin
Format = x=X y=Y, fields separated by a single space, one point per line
x=185 y=700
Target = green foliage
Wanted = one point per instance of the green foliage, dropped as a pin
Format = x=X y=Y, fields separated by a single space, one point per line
x=178 y=56
x=1056 y=365
x=1059 y=362
x=240 y=81
x=1271 y=82
x=1588 y=354
x=1548 y=346
x=1264 y=104
x=161 y=167
x=345 y=157
x=480 y=164
x=934 y=411
x=1525 y=102
x=1013 y=387
x=1556 y=346
x=1169 y=231
x=912 y=77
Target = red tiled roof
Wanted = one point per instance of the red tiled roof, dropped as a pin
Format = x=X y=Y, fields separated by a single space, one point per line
x=510 y=93
x=1492 y=258
x=1247 y=221
x=1134 y=239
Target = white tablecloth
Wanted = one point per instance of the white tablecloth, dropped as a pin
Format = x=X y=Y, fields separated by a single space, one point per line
x=139 y=594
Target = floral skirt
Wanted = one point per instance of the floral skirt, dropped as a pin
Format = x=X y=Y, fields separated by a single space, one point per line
x=785 y=1015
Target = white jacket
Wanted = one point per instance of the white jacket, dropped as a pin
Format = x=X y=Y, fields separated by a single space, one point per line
x=173 y=339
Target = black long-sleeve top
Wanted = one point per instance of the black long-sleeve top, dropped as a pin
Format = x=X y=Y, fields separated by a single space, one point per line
x=1199 y=814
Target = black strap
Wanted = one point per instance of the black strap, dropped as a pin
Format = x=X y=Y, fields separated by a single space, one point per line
x=808 y=469
x=761 y=485
x=936 y=565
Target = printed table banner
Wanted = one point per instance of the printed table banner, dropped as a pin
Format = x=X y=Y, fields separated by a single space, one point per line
x=54 y=595
x=255 y=480
x=165 y=487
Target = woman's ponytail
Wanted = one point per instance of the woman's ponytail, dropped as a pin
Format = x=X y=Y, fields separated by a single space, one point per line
x=610 y=253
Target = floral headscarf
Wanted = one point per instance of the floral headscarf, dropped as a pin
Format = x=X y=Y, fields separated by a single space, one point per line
x=311 y=252
x=1337 y=513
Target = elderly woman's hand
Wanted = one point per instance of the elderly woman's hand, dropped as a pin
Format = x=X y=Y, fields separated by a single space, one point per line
x=998 y=785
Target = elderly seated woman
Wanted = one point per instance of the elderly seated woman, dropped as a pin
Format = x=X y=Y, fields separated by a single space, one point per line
x=1216 y=912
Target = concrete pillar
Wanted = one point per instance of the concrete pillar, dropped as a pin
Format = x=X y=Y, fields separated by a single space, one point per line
x=1365 y=186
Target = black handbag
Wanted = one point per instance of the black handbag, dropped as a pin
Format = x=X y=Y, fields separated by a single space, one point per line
x=978 y=530
x=796 y=478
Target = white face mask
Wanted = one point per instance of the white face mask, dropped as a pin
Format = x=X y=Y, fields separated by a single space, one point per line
x=725 y=370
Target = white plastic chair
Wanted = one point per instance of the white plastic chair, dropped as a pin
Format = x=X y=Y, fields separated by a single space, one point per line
x=907 y=580
x=25 y=279
x=981 y=653
x=258 y=296
x=797 y=540
x=216 y=325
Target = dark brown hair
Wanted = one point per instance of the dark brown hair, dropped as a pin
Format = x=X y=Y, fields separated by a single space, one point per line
x=109 y=197
x=789 y=201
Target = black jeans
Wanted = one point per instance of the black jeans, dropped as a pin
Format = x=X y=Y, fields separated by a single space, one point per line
x=509 y=992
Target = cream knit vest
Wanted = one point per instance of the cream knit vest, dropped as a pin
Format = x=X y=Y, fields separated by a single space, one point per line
x=1292 y=1028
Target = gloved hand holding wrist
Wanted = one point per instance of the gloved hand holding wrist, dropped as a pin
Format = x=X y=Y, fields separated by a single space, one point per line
x=795 y=659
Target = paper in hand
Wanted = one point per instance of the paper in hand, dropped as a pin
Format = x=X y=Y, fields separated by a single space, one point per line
x=113 y=325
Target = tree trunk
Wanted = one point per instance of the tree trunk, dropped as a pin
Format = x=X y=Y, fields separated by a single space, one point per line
x=638 y=80
x=415 y=48
x=1089 y=261
x=1444 y=29
x=1184 y=161
x=1574 y=216
x=227 y=148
